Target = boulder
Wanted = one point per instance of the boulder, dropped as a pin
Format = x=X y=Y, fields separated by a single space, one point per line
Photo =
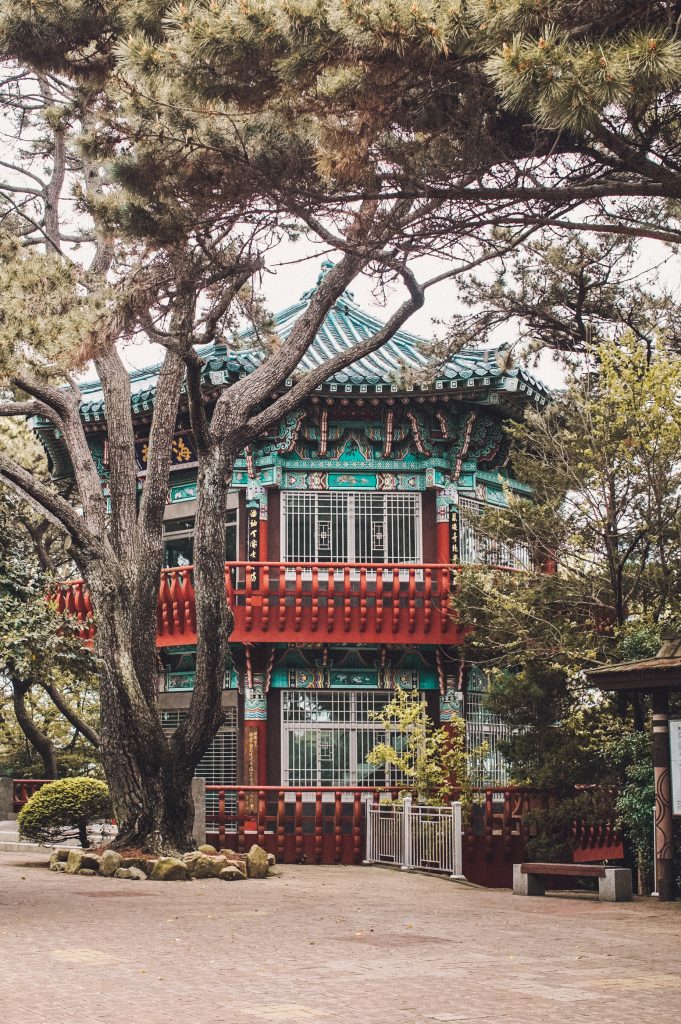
x=79 y=859
x=144 y=864
x=232 y=874
x=86 y=871
x=169 y=869
x=136 y=874
x=238 y=862
x=256 y=862
x=110 y=863
x=201 y=865
x=122 y=873
x=207 y=848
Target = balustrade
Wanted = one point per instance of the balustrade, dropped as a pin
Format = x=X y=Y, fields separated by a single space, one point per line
x=361 y=602
x=317 y=825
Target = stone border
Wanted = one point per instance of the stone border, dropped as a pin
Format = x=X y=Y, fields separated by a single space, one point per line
x=205 y=862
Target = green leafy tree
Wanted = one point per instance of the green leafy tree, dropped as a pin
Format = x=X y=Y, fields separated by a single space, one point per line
x=604 y=467
x=47 y=677
x=431 y=762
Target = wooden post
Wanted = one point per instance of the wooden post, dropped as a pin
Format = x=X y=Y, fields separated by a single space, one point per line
x=663 y=796
x=255 y=740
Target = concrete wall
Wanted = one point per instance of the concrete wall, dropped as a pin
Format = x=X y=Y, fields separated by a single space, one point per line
x=6 y=790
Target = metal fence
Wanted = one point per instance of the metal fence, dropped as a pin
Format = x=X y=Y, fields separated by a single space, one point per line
x=415 y=837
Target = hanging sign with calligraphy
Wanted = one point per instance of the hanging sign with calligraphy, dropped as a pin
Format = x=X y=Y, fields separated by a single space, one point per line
x=453 y=535
x=182 y=445
x=253 y=538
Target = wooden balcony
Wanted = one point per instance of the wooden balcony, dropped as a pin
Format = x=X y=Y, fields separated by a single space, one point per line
x=336 y=602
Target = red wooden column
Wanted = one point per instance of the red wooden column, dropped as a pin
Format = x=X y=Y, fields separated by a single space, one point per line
x=447 y=527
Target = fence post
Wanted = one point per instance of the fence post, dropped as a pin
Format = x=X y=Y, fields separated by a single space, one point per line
x=406 y=833
x=199 y=797
x=368 y=858
x=457 y=829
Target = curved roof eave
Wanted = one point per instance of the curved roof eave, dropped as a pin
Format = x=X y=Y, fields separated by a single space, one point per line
x=384 y=371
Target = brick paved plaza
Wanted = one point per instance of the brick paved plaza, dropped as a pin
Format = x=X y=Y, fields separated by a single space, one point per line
x=323 y=945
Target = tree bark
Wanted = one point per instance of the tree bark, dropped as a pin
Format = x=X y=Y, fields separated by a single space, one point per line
x=41 y=743
x=151 y=794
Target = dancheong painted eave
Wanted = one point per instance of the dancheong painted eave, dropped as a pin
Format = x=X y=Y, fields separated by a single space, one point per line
x=472 y=374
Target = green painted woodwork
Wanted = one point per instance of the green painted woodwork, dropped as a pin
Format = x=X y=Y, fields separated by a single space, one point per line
x=353 y=678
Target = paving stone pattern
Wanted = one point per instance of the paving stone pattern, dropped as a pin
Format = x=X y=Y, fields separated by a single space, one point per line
x=326 y=945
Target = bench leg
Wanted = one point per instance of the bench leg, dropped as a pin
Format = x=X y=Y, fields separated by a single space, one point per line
x=527 y=885
x=616 y=886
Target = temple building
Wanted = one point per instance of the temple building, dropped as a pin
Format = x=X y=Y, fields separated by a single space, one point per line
x=343 y=526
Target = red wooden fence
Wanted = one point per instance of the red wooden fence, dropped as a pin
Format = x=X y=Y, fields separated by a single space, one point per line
x=327 y=825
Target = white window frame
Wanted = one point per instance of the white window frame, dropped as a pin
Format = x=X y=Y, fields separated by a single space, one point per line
x=404 y=502
x=356 y=722
x=476 y=548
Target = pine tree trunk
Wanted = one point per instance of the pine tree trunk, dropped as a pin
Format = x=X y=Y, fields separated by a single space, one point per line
x=150 y=786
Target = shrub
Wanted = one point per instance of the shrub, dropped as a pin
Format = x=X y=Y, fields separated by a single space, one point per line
x=63 y=810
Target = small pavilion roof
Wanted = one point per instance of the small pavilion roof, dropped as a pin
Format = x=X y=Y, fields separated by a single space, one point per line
x=403 y=358
x=662 y=671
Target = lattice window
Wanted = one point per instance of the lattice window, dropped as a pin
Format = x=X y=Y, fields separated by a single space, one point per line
x=218 y=764
x=327 y=735
x=351 y=526
x=478 y=548
x=484 y=729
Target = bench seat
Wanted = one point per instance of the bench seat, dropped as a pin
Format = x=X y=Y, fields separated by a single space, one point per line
x=614 y=884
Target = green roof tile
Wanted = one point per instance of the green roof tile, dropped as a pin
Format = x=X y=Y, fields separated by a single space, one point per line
x=345 y=324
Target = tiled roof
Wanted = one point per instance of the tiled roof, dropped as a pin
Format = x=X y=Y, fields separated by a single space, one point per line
x=404 y=356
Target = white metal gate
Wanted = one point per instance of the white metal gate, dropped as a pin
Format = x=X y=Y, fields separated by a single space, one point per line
x=416 y=837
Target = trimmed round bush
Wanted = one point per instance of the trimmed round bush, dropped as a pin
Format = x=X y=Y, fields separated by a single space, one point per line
x=63 y=809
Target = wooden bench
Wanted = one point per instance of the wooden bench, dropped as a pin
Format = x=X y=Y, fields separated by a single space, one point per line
x=614 y=884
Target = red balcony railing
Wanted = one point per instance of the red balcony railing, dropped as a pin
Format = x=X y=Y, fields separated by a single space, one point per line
x=23 y=790
x=304 y=602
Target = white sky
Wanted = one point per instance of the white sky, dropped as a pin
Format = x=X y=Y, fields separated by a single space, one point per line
x=293 y=268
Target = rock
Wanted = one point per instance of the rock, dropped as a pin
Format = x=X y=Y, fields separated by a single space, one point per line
x=110 y=863
x=238 y=862
x=207 y=848
x=169 y=869
x=256 y=861
x=86 y=871
x=144 y=864
x=232 y=874
x=79 y=859
x=123 y=872
x=201 y=865
x=136 y=874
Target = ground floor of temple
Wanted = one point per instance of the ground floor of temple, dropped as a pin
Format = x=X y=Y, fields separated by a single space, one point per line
x=310 y=716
